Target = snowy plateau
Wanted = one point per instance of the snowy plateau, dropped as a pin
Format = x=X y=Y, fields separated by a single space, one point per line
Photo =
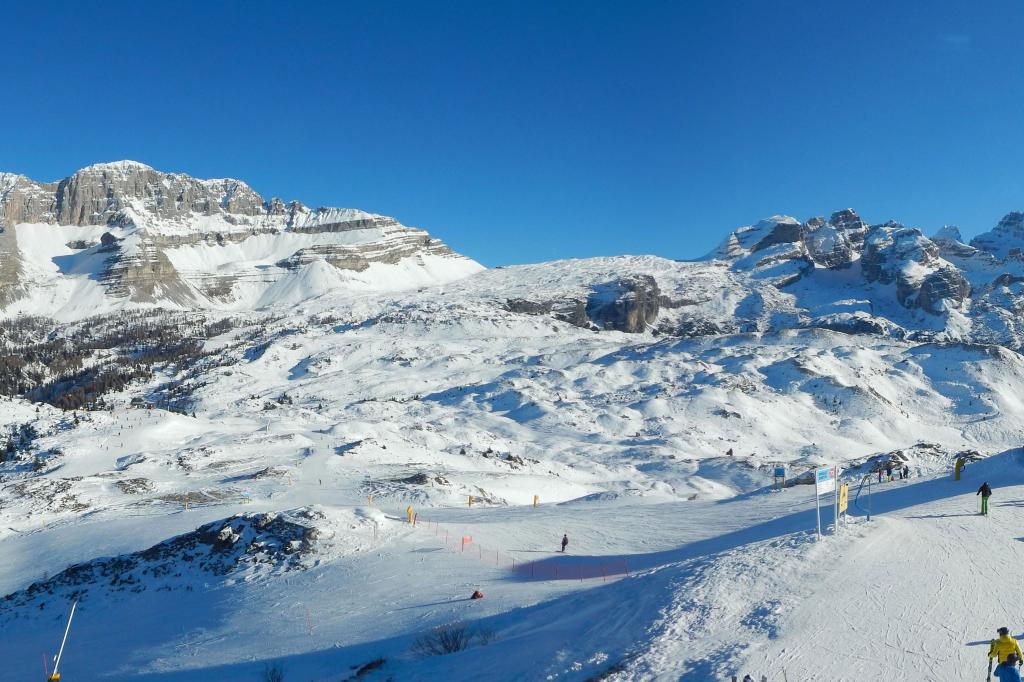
x=218 y=413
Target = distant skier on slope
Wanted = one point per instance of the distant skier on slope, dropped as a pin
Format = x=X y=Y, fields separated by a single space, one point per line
x=888 y=472
x=1001 y=649
x=1007 y=671
x=906 y=471
x=985 y=492
x=565 y=541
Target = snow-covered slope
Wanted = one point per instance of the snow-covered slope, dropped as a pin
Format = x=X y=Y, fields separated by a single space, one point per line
x=227 y=486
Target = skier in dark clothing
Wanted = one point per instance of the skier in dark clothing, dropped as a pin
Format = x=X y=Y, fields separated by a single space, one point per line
x=985 y=493
x=565 y=541
x=906 y=471
x=888 y=471
x=879 y=474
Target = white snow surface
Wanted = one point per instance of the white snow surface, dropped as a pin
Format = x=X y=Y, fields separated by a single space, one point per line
x=267 y=524
x=425 y=397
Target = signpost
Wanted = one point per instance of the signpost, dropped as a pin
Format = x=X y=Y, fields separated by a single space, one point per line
x=780 y=477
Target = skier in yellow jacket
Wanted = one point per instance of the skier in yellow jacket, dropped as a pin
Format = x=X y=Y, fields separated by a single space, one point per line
x=1004 y=646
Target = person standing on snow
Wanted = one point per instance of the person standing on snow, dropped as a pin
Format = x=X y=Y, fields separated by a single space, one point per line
x=888 y=472
x=986 y=492
x=879 y=474
x=1007 y=671
x=565 y=541
x=906 y=471
x=1001 y=649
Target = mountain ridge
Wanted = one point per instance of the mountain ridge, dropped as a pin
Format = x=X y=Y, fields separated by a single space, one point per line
x=135 y=235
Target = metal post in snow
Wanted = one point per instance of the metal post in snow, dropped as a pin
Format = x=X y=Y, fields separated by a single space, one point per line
x=869 y=498
x=817 y=504
x=56 y=665
x=835 y=495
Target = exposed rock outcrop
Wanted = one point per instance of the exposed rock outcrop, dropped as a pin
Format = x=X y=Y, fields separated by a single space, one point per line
x=629 y=304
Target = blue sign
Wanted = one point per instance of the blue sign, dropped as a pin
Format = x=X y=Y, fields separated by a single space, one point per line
x=780 y=472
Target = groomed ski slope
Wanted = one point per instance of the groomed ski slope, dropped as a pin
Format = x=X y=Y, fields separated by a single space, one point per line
x=715 y=588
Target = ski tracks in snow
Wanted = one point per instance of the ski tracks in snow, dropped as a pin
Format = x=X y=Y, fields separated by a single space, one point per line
x=915 y=596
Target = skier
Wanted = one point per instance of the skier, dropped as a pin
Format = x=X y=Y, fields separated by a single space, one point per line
x=565 y=541
x=1004 y=647
x=748 y=678
x=879 y=474
x=906 y=471
x=888 y=472
x=1007 y=670
x=985 y=493
x=477 y=594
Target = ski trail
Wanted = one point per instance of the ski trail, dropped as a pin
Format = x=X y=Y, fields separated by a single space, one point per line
x=918 y=596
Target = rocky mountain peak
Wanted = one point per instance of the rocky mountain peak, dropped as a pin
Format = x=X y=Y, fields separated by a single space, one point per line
x=1006 y=239
x=176 y=239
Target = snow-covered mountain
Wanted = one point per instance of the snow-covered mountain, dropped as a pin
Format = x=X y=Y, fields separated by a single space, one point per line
x=214 y=446
x=119 y=234
x=122 y=235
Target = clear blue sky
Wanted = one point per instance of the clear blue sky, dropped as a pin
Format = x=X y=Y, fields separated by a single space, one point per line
x=526 y=131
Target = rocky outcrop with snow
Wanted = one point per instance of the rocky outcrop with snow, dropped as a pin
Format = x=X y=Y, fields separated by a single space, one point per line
x=124 y=233
x=244 y=546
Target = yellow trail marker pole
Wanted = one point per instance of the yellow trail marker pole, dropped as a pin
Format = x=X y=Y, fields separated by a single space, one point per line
x=536 y=499
x=470 y=501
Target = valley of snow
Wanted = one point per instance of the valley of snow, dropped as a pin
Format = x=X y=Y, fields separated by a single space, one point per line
x=428 y=397
x=217 y=410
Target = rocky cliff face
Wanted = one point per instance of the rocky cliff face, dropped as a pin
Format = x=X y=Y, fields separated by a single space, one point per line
x=783 y=250
x=169 y=238
x=779 y=274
